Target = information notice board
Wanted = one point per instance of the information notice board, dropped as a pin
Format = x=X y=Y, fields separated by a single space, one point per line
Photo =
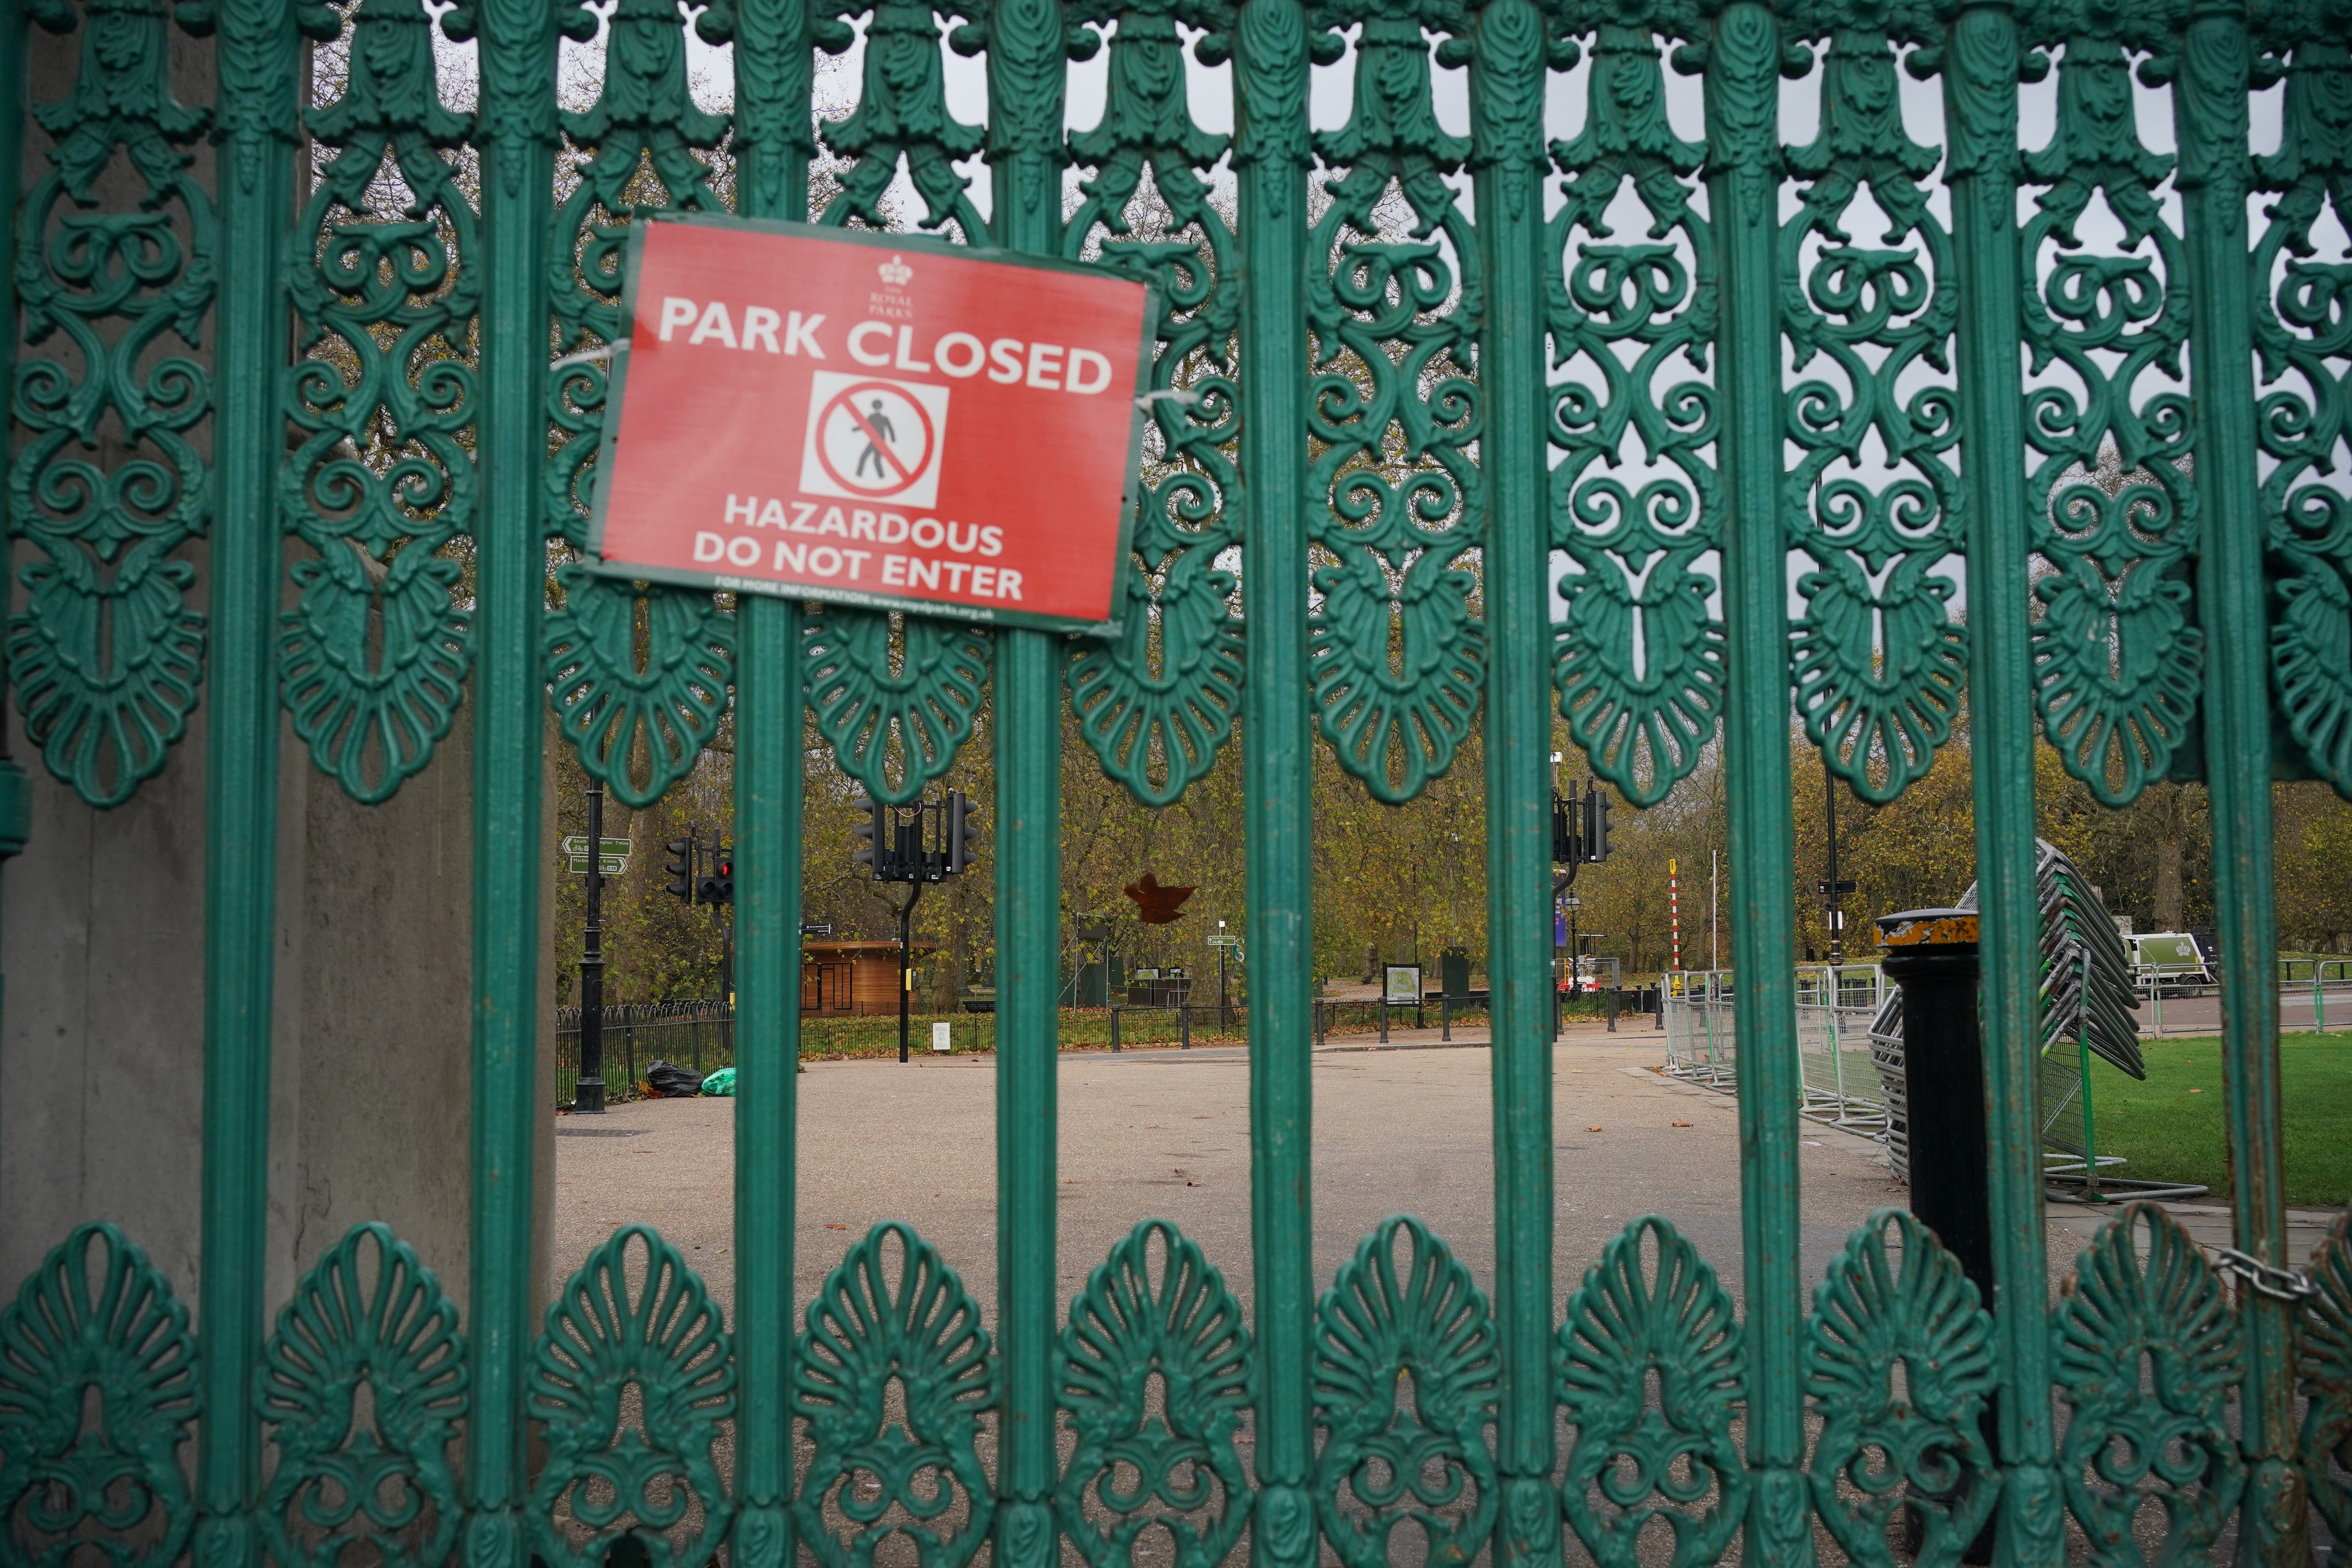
x=829 y=413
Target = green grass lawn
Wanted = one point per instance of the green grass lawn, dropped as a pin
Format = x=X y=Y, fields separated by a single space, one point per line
x=2175 y=1126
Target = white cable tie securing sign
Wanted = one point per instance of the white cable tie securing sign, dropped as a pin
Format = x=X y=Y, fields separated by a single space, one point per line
x=1167 y=395
x=589 y=356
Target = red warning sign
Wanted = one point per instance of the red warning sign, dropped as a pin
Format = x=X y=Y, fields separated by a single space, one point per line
x=823 y=414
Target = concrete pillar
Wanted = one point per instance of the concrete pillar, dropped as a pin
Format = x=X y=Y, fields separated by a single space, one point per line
x=101 y=939
x=102 y=1046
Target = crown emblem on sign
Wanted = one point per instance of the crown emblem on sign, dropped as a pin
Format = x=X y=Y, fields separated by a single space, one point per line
x=896 y=273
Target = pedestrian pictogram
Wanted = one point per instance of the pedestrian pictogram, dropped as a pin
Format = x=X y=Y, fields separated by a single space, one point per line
x=874 y=440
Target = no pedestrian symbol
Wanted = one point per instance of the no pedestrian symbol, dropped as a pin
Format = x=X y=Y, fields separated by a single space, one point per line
x=874 y=440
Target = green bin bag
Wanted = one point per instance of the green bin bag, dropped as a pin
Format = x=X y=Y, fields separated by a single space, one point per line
x=721 y=1082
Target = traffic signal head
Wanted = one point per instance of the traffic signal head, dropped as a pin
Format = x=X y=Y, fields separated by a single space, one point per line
x=867 y=835
x=1596 y=840
x=678 y=859
x=719 y=887
x=1566 y=845
x=963 y=832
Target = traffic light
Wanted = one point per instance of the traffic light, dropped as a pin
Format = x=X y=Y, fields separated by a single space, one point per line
x=1567 y=847
x=870 y=834
x=1596 y=837
x=963 y=832
x=679 y=863
x=719 y=887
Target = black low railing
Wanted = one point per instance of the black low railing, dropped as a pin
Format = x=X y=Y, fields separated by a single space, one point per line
x=698 y=1035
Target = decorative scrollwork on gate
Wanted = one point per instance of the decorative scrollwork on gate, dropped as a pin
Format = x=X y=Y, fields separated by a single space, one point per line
x=2325 y=1443
x=2303 y=331
x=372 y=659
x=892 y=1374
x=1879 y=663
x=614 y=708
x=1156 y=703
x=902 y=113
x=895 y=695
x=2134 y=1437
x=1637 y=1319
x=898 y=696
x=367 y=1316
x=1386 y=1329
x=95 y=1320
x=1395 y=652
x=1155 y=1315
x=631 y=1380
x=640 y=671
x=1638 y=658
x=1918 y=1448
x=2118 y=656
x=106 y=655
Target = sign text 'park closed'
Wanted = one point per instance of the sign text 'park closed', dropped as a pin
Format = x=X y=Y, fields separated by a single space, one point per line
x=839 y=416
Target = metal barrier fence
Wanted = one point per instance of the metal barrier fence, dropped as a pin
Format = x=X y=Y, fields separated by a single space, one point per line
x=1702 y=1036
x=1840 y=1084
x=699 y=1035
x=2176 y=1012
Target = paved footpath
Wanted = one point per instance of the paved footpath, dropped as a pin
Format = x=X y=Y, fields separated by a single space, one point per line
x=1165 y=1133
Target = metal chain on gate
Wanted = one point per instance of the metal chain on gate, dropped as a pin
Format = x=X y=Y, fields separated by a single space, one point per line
x=2279 y=1284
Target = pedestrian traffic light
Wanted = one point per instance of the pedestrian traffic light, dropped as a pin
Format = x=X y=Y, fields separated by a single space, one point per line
x=679 y=863
x=870 y=834
x=1596 y=838
x=963 y=832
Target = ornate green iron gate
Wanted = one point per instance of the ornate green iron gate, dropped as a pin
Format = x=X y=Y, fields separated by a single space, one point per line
x=1389 y=374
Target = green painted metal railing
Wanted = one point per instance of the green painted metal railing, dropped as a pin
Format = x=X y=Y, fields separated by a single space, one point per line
x=1682 y=365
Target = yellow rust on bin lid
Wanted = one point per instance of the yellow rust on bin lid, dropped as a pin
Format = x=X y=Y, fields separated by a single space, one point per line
x=1926 y=928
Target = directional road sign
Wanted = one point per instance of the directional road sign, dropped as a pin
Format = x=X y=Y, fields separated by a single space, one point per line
x=576 y=845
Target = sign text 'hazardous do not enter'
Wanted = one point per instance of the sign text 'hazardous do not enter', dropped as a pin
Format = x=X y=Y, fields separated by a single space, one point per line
x=814 y=412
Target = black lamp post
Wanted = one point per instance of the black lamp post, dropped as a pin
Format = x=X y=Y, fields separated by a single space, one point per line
x=1580 y=837
x=588 y=1097
x=1831 y=888
x=898 y=852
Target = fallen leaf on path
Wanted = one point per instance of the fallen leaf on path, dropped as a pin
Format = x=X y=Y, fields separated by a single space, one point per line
x=830 y=1226
x=1592 y=1130
x=1682 y=1124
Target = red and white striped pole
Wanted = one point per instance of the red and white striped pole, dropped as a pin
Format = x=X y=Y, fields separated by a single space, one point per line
x=1675 y=914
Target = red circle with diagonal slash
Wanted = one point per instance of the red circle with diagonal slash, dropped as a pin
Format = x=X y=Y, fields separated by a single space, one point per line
x=843 y=400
